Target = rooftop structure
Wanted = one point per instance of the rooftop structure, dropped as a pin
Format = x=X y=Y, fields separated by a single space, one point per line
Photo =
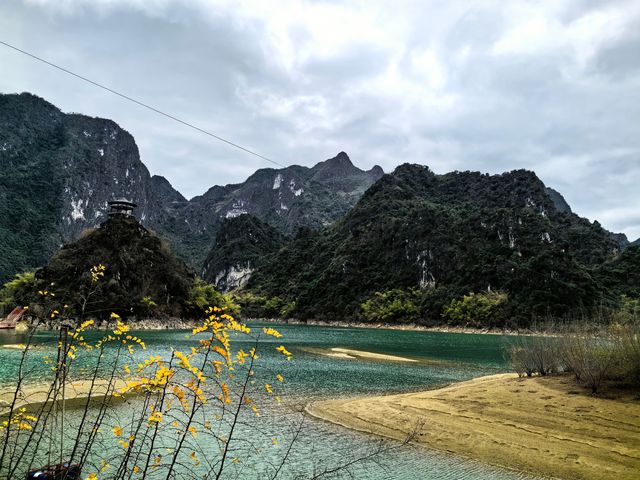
x=121 y=206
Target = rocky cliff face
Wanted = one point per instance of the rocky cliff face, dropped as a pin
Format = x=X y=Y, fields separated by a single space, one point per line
x=60 y=170
x=286 y=199
x=242 y=244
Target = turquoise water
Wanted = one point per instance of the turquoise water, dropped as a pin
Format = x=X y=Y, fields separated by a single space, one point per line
x=442 y=358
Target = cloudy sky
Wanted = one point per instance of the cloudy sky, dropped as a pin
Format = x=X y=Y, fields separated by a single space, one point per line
x=552 y=86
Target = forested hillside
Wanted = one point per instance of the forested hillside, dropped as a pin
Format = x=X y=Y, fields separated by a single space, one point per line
x=417 y=241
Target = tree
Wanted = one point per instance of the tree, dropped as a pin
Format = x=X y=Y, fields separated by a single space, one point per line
x=477 y=309
x=392 y=306
x=17 y=292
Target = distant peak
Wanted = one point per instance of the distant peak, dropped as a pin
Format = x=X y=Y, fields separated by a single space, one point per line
x=340 y=160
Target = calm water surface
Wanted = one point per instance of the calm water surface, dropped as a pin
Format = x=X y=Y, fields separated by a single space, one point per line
x=443 y=358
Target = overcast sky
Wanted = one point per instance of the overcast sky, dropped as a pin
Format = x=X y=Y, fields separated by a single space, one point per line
x=551 y=86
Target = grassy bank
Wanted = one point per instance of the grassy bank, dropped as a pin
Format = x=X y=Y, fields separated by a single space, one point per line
x=544 y=425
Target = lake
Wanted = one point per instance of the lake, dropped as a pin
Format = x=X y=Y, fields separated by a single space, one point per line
x=443 y=358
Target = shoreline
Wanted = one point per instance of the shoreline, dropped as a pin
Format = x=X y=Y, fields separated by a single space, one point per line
x=411 y=327
x=181 y=324
x=542 y=425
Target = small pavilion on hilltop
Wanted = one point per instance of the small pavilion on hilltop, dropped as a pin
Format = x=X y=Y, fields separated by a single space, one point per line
x=121 y=207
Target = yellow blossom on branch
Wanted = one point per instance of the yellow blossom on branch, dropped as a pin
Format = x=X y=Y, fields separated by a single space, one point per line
x=272 y=332
x=284 y=352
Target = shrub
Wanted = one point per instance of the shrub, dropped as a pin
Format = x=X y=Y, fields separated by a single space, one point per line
x=629 y=311
x=535 y=355
x=477 y=309
x=392 y=305
x=203 y=294
x=256 y=306
x=627 y=359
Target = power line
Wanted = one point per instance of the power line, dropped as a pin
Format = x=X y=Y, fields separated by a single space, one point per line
x=142 y=104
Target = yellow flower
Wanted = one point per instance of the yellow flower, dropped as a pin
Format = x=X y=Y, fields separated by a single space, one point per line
x=156 y=416
x=117 y=431
x=136 y=469
x=121 y=328
x=280 y=378
x=267 y=387
x=193 y=431
x=272 y=332
x=92 y=476
x=225 y=393
x=285 y=352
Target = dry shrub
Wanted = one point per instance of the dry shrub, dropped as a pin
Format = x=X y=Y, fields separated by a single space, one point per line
x=535 y=355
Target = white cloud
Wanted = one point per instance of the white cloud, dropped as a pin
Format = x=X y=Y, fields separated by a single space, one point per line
x=551 y=85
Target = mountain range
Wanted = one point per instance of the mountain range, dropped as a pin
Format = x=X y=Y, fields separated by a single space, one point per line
x=60 y=170
x=330 y=241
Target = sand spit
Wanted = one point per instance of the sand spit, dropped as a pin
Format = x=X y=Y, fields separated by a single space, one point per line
x=371 y=355
x=350 y=354
x=543 y=425
x=76 y=393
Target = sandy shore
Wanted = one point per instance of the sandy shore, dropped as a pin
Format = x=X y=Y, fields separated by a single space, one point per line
x=545 y=425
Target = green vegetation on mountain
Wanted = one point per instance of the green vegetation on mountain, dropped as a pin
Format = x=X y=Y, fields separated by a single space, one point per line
x=141 y=275
x=18 y=292
x=29 y=185
x=120 y=267
x=446 y=236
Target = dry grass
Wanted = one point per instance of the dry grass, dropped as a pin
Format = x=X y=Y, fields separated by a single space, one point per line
x=544 y=425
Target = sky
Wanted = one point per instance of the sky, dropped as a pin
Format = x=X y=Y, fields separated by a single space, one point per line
x=551 y=86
